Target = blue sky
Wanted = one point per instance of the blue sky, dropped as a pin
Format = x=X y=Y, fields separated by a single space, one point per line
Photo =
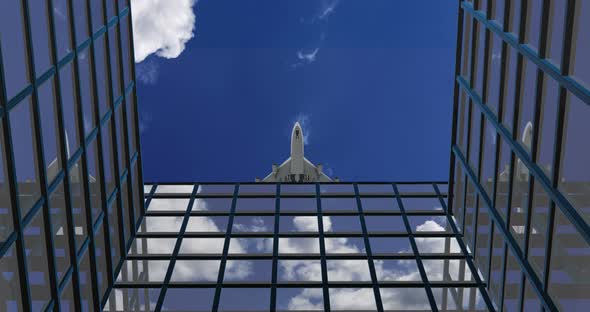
x=372 y=81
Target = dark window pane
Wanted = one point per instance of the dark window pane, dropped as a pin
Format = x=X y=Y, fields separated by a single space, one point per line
x=21 y=124
x=13 y=47
x=38 y=271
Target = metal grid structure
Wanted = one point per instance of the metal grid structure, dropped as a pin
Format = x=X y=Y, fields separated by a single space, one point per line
x=250 y=246
x=71 y=165
x=520 y=182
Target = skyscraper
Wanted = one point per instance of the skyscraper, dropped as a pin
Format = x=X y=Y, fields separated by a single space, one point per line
x=71 y=184
x=520 y=184
x=81 y=230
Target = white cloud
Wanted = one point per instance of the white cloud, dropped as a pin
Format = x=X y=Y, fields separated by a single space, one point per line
x=393 y=298
x=147 y=72
x=162 y=27
x=309 y=56
x=327 y=8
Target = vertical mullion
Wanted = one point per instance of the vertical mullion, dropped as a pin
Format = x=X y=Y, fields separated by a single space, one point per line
x=559 y=132
x=113 y=130
x=135 y=112
x=124 y=131
x=456 y=96
x=84 y=163
x=414 y=246
x=500 y=116
x=13 y=187
x=535 y=139
x=275 y=249
x=520 y=64
x=226 y=243
x=176 y=249
x=99 y=160
x=486 y=65
x=63 y=156
x=468 y=259
x=39 y=148
x=324 y=266
x=372 y=270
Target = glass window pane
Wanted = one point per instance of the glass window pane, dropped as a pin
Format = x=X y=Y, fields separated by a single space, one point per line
x=252 y=224
x=385 y=223
x=348 y=270
x=392 y=245
x=134 y=299
x=346 y=299
x=13 y=47
x=80 y=20
x=207 y=224
x=421 y=203
x=86 y=90
x=86 y=283
x=11 y=295
x=298 y=204
x=202 y=245
x=374 y=189
x=21 y=126
x=252 y=204
x=201 y=299
x=447 y=270
x=175 y=189
x=397 y=270
x=438 y=245
x=299 y=270
x=244 y=299
x=168 y=204
x=62 y=27
x=574 y=181
x=59 y=230
x=293 y=299
x=344 y=245
x=38 y=271
x=101 y=75
x=339 y=204
x=379 y=204
x=47 y=109
x=143 y=271
x=568 y=268
x=299 y=245
x=250 y=245
x=342 y=224
x=212 y=204
x=248 y=271
x=40 y=32
x=195 y=271
x=397 y=299
x=299 y=224
x=581 y=45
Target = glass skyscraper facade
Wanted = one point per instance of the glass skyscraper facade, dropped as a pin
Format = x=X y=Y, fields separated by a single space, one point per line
x=312 y=247
x=80 y=230
x=70 y=179
x=520 y=179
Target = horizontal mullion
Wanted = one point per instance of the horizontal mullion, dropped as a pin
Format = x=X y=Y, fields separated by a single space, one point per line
x=305 y=195
x=296 y=284
x=270 y=212
x=300 y=256
x=294 y=234
x=566 y=81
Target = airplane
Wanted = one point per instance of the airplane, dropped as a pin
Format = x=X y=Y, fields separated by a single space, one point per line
x=297 y=168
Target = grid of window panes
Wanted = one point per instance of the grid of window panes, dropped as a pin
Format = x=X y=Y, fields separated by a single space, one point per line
x=520 y=174
x=70 y=177
x=282 y=247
